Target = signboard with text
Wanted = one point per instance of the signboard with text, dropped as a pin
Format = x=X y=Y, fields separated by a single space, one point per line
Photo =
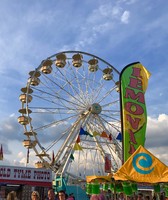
x=134 y=81
x=24 y=175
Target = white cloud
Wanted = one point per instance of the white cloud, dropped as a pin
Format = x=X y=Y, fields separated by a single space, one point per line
x=22 y=161
x=102 y=27
x=21 y=155
x=125 y=17
x=163 y=118
x=10 y=129
x=128 y=1
x=157 y=136
x=18 y=163
x=116 y=11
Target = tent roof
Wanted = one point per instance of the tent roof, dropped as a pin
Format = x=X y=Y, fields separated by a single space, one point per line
x=100 y=179
x=142 y=166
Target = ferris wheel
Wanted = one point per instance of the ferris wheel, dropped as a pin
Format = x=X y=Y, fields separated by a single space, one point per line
x=70 y=111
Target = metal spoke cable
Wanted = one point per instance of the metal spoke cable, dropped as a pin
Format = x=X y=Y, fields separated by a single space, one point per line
x=110 y=124
x=66 y=92
x=49 y=110
x=57 y=139
x=71 y=85
x=104 y=116
x=97 y=93
x=56 y=97
x=78 y=84
x=106 y=95
x=110 y=103
x=55 y=122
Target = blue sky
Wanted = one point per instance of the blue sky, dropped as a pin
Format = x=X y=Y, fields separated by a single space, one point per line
x=118 y=31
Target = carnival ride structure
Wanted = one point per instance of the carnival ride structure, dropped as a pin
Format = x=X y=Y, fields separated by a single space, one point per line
x=70 y=112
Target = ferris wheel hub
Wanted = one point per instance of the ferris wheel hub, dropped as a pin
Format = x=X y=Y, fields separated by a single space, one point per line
x=95 y=108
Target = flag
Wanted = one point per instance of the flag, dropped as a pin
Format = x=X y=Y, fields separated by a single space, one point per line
x=82 y=131
x=133 y=84
x=110 y=137
x=1 y=153
x=71 y=157
x=119 y=137
x=104 y=134
x=78 y=139
x=77 y=147
x=28 y=155
x=95 y=133
x=87 y=133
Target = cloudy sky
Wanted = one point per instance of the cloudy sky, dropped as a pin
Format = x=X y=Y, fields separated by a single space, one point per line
x=118 y=31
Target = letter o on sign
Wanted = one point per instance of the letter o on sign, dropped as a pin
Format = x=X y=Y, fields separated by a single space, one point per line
x=134 y=108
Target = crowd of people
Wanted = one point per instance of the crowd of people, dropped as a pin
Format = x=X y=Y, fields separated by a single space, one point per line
x=61 y=195
x=121 y=196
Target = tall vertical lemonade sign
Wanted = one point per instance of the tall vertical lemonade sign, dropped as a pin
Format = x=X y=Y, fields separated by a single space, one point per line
x=133 y=84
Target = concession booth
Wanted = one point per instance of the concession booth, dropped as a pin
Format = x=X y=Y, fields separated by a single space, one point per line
x=24 y=180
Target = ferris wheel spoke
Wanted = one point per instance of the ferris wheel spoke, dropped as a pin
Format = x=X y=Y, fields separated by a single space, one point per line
x=88 y=84
x=64 y=90
x=56 y=96
x=81 y=93
x=107 y=94
x=112 y=124
x=88 y=87
x=110 y=116
x=74 y=88
x=44 y=110
x=57 y=139
x=100 y=126
x=96 y=93
x=95 y=126
x=110 y=103
x=62 y=100
x=55 y=123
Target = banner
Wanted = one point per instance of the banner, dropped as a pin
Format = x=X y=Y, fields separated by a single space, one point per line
x=133 y=84
x=108 y=163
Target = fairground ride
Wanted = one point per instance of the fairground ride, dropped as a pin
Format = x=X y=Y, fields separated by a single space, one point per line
x=70 y=112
